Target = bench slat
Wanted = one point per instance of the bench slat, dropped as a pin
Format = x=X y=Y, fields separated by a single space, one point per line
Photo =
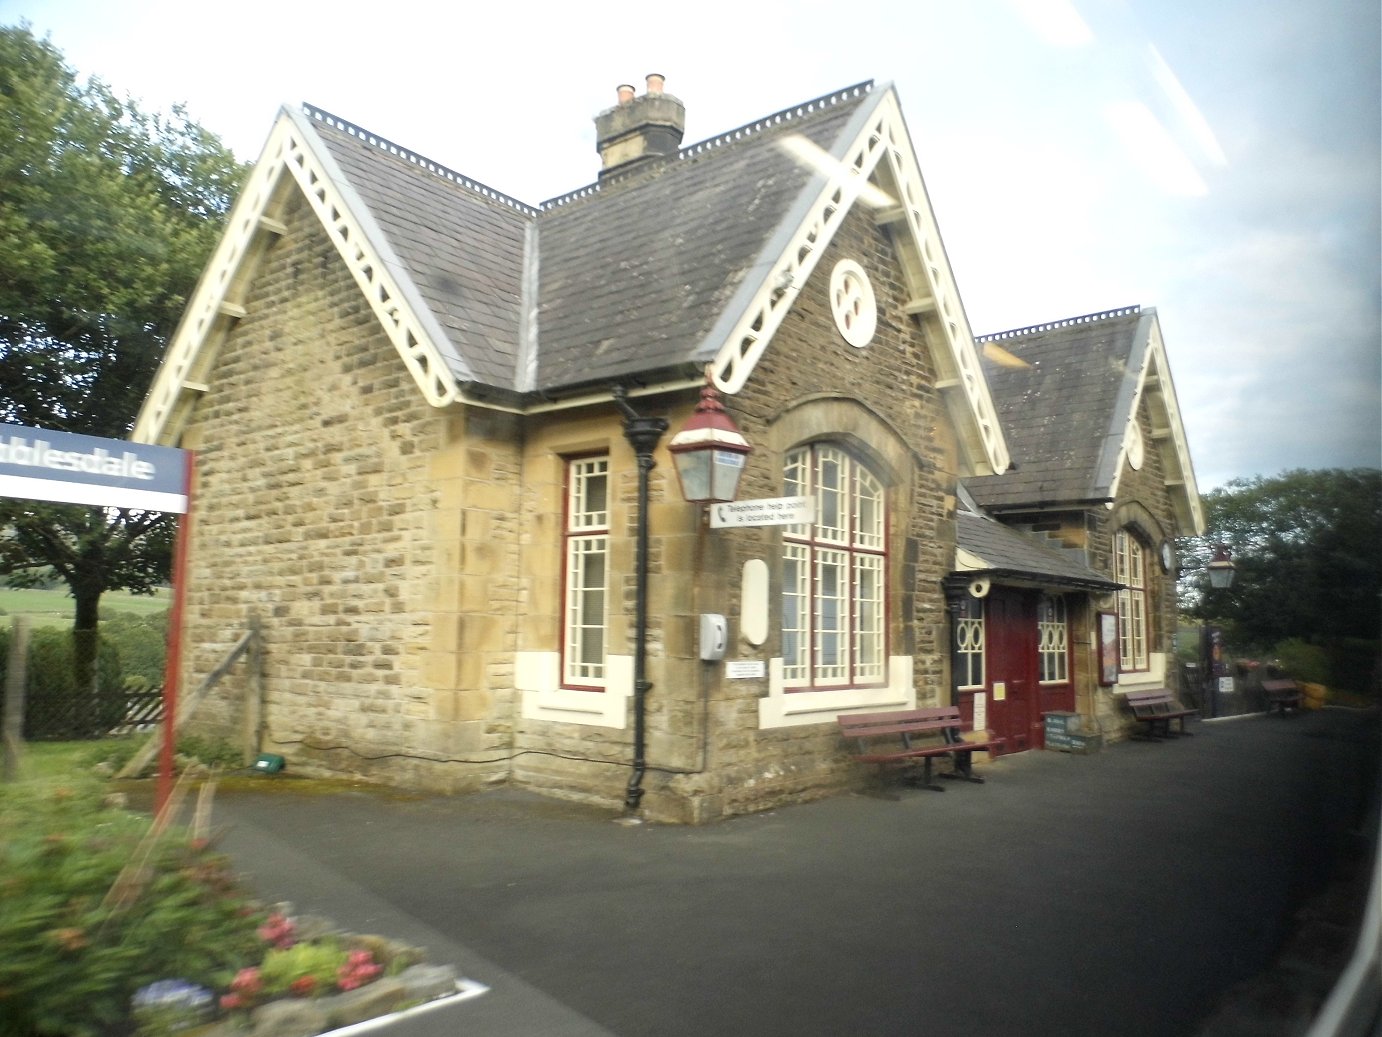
x=944 y=721
x=1158 y=706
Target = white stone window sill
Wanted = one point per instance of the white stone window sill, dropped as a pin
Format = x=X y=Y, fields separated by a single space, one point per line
x=538 y=679
x=787 y=707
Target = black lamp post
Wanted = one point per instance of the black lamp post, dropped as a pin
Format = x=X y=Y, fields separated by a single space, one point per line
x=643 y=435
x=1221 y=570
x=710 y=453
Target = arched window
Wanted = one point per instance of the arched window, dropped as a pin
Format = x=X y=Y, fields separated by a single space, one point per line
x=1130 y=569
x=833 y=573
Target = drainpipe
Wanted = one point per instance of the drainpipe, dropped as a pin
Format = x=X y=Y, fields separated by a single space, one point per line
x=643 y=435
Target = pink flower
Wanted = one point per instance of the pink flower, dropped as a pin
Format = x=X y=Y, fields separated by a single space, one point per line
x=358 y=970
x=279 y=931
x=247 y=983
x=230 y=1002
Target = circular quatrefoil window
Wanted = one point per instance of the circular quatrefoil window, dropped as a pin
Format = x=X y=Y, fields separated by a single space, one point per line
x=1136 y=450
x=852 y=302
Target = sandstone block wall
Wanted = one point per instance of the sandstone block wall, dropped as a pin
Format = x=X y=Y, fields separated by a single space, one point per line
x=345 y=512
x=406 y=561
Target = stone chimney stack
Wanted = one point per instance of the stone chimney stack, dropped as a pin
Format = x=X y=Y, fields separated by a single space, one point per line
x=639 y=131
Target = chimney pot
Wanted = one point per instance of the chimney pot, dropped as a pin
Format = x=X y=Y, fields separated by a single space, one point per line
x=639 y=131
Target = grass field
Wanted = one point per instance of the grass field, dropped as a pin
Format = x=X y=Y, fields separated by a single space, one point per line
x=56 y=762
x=54 y=607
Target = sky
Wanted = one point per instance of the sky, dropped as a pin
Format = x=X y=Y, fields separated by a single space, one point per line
x=1218 y=160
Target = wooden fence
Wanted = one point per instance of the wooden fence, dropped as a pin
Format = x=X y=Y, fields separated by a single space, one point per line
x=70 y=715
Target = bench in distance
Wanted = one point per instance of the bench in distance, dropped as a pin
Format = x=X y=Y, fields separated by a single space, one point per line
x=1157 y=708
x=1282 y=694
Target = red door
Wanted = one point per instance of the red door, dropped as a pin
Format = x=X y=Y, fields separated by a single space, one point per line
x=1010 y=623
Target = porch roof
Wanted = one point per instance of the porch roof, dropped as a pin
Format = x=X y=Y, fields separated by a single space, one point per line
x=987 y=547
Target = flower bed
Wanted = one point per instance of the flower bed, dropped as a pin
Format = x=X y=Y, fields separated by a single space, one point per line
x=302 y=986
x=114 y=924
x=312 y=978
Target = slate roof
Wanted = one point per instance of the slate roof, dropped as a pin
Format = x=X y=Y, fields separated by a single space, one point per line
x=461 y=244
x=1063 y=392
x=624 y=278
x=1006 y=552
x=644 y=278
x=634 y=278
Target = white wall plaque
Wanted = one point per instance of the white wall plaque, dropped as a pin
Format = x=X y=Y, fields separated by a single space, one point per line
x=739 y=669
x=981 y=711
x=769 y=511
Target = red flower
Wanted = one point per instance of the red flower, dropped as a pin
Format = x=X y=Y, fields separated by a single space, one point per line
x=303 y=986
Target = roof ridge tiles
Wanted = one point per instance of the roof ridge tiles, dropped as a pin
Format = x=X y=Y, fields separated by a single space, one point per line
x=796 y=111
x=749 y=129
x=1088 y=318
x=421 y=161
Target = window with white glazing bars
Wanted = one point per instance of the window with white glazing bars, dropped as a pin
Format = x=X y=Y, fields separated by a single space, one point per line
x=967 y=659
x=586 y=574
x=834 y=585
x=1130 y=567
x=1053 y=640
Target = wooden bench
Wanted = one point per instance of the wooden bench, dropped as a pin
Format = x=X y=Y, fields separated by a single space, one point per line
x=935 y=722
x=1282 y=694
x=1156 y=708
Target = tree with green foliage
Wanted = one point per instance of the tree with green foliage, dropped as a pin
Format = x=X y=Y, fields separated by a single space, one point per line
x=1307 y=549
x=107 y=216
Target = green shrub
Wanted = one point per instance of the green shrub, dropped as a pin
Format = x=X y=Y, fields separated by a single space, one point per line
x=1302 y=660
x=1355 y=665
x=74 y=954
x=320 y=961
x=141 y=640
x=116 y=752
x=52 y=706
x=211 y=751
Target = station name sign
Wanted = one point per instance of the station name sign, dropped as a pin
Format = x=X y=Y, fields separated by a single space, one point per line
x=40 y=464
x=768 y=511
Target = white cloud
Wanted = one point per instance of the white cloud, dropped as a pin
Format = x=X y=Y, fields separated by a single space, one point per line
x=1056 y=22
x=1154 y=150
x=1266 y=286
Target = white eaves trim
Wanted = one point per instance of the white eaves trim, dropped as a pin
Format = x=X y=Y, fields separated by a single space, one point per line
x=294 y=151
x=1168 y=433
x=881 y=133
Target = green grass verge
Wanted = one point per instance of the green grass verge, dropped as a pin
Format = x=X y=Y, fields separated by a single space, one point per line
x=52 y=763
x=54 y=607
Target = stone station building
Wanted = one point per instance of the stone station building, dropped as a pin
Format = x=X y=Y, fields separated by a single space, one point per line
x=400 y=386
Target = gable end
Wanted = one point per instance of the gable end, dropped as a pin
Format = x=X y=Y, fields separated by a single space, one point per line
x=1153 y=383
x=217 y=303
x=876 y=133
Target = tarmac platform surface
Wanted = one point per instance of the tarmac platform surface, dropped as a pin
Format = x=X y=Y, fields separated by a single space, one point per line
x=1126 y=892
